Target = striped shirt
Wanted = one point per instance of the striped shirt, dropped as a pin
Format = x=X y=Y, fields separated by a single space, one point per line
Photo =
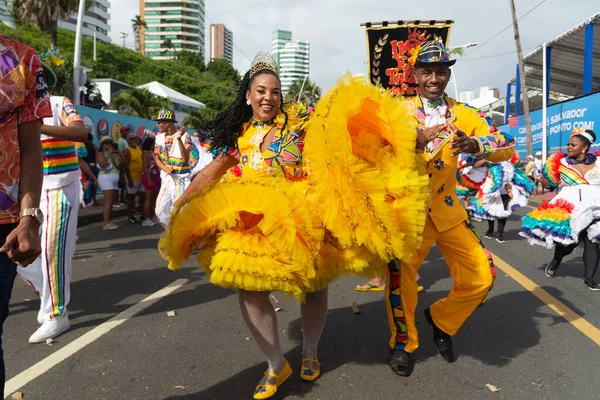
x=168 y=152
x=61 y=165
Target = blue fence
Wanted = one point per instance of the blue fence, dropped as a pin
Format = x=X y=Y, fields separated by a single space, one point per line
x=108 y=123
x=562 y=118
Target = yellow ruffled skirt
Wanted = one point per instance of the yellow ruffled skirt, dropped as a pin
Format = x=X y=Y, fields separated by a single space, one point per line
x=362 y=204
x=256 y=235
x=369 y=186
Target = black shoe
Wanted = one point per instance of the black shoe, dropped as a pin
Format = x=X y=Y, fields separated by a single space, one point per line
x=133 y=220
x=551 y=268
x=489 y=234
x=401 y=362
x=442 y=340
x=591 y=284
x=500 y=238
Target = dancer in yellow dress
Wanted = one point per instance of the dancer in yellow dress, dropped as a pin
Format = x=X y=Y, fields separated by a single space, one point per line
x=300 y=205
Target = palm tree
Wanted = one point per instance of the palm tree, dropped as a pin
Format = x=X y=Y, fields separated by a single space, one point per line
x=309 y=94
x=138 y=23
x=46 y=13
x=139 y=102
x=166 y=46
x=196 y=118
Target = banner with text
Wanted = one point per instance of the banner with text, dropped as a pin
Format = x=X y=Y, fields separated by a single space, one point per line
x=561 y=119
x=389 y=49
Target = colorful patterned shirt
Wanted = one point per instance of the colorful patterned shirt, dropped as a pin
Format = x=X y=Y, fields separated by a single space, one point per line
x=61 y=164
x=24 y=99
x=169 y=153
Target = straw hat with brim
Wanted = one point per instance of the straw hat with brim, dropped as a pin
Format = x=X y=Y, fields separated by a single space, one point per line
x=104 y=139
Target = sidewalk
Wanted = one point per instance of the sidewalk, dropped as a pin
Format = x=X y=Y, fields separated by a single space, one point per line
x=92 y=214
x=539 y=198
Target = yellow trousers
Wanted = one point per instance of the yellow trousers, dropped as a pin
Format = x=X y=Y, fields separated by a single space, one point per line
x=471 y=268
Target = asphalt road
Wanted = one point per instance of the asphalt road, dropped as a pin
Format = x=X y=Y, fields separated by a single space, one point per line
x=515 y=342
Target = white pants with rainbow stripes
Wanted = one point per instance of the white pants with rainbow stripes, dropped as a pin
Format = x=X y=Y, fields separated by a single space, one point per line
x=172 y=187
x=50 y=274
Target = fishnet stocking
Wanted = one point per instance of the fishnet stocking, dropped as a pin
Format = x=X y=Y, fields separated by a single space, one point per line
x=260 y=318
x=314 y=314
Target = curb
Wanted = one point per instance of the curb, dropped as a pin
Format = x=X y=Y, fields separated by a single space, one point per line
x=83 y=220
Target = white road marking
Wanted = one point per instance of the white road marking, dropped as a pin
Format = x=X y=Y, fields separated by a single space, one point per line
x=55 y=358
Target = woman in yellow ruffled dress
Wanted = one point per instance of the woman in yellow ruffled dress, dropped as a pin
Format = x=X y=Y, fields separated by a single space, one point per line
x=271 y=226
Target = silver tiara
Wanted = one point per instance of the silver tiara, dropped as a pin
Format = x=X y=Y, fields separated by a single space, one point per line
x=263 y=61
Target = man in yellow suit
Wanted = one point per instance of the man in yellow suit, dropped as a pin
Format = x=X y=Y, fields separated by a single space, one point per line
x=446 y=129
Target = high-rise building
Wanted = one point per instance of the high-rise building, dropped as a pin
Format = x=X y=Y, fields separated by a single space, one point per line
x=96 y=19
x=173 y=25
x=221 y=42
x=292 y=56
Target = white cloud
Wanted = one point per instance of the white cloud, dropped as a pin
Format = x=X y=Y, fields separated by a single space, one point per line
x=338 y=42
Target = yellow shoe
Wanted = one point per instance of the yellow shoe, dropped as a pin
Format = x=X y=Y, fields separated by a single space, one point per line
x=309 y=374
x=266 y=390
x=420 y=288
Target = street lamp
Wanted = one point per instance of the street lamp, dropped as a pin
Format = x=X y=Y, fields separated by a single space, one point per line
x=463 y=46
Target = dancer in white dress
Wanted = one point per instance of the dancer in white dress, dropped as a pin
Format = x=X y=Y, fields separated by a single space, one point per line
x=572 y=216
x=504 y=190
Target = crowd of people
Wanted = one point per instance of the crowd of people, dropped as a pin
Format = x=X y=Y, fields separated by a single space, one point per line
x=275 y=203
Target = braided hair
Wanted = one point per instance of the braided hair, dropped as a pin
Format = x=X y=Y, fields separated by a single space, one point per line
x=226 y=128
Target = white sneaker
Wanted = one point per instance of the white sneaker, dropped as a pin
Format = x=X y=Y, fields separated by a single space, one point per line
x=148 y=222
x=110 y=227
x=50 y=329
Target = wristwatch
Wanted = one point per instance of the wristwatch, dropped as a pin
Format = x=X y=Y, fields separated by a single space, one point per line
x=35 y=213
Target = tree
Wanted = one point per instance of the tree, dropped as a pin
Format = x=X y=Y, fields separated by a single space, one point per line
x=166 y=46
x=196 y=118
x=191 y=58
x=138 y=23
x=309 y=94
x=522 y=79
x=139 y=102
x=15 y=13
x=223 y=70
x=46 y=13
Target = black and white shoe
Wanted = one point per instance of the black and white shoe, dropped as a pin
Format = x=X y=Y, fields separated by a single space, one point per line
x=551 y=268
x=489 y=235
x=591 y=284
x=500 y=239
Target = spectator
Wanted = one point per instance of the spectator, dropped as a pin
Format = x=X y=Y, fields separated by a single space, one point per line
x=90 y=184
x=530 y=168
x=24 y=105
x=122 y=143
x=132 y=157
x=150 y=180
x=538 y=172
x=109 y=161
